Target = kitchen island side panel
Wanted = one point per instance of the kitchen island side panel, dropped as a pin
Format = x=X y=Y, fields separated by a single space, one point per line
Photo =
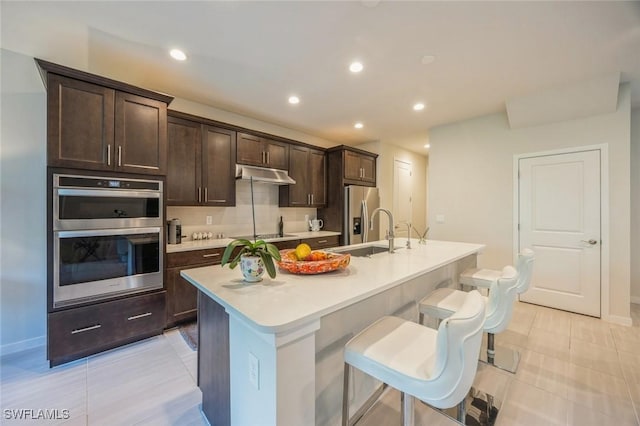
x=213 y=360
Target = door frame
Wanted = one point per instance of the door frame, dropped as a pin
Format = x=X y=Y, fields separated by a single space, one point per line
x=393 y=189
x=604 y=214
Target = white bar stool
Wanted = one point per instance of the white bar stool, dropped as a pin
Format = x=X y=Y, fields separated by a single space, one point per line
x=482 y=278
x=435 y=366
x=444 y=302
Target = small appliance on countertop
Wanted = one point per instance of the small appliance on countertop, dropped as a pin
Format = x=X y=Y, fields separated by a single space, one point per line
x=175 y=231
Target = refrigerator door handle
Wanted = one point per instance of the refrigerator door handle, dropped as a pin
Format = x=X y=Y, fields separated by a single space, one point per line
x=365 y=222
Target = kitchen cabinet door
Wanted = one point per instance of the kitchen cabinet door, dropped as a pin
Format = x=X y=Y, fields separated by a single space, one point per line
x=183 y=162
x=182 y=297
x=94 y=127
x=218 y=166
x=140 y=134
x=352 y=168
x=257 y=151
x=250 y=150
x=80 y=124
x=317 y=178
x=368 y=165
x=298 y=194
x=277 y=154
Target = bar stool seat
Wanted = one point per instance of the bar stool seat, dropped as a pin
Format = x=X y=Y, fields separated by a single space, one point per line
x=435 y=366
x=481 y=278
x=444 y=302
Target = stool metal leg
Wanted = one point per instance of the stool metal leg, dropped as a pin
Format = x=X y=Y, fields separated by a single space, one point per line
x=491 y=350
x=461 y=411
x=345 y=395
x=408 y=409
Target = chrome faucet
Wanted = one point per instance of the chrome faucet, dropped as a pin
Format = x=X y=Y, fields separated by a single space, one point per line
x=408 y=243
x=390 y=235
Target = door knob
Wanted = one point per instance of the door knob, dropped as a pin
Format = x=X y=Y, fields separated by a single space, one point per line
x=591 y=241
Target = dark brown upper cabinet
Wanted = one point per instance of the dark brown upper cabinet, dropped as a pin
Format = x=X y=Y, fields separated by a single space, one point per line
x=359 y=168
x=258 y=151
x=308 y=168
x=201 y=164
x=95 y=123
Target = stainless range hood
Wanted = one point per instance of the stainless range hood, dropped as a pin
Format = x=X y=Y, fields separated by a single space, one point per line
x=262 y=174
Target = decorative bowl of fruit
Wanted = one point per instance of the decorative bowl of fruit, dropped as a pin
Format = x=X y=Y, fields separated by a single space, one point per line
x=303 y=260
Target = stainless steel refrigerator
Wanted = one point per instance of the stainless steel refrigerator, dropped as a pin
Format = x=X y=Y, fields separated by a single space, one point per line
x=359 y=203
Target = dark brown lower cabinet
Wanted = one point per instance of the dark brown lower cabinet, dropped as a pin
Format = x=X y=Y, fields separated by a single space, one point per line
x=182 y=297
x=78 y=332
x=323 y=242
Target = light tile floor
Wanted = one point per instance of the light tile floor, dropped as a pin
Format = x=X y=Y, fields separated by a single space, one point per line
x=574 y=370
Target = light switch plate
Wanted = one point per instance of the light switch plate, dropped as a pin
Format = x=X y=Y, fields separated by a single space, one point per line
x=440 y=218
x=209 y=220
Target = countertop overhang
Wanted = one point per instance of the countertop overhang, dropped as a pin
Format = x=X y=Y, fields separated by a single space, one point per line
x=290 y=301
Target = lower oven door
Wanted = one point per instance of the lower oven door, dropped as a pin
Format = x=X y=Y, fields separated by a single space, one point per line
x=97 y=264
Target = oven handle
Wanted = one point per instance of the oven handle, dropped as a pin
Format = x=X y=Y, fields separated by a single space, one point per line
x=106 y=193
x=103 y=232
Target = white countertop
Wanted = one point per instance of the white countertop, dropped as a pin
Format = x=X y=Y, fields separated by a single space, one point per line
x=290 y=301
x=222 y=242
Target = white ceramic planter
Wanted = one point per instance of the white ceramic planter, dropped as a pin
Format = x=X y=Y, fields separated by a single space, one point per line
x=252 y=268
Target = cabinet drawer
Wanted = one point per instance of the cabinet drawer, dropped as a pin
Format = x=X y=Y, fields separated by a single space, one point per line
x=195 y=257
x=282 y=245
x=82 y=331
x=324 y=242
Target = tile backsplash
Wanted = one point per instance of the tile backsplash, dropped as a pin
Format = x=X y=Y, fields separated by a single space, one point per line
x=234 y=221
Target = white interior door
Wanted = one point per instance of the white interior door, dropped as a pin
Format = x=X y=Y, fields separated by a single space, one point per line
x=402 y=196
x=559 y=209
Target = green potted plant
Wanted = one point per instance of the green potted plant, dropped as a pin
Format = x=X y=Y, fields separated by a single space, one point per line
x=253 y=257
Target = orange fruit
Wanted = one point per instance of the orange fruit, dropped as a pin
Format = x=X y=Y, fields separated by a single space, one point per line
x=302 y=250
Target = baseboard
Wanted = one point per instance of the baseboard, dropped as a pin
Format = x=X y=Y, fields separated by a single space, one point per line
x=617 y=319
x=23 y=345
x=635 y=299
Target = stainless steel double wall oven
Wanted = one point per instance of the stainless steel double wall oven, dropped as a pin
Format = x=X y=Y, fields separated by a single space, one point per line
x=107 y=237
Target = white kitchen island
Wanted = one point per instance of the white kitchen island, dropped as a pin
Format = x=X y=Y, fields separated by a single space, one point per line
x=270 y=353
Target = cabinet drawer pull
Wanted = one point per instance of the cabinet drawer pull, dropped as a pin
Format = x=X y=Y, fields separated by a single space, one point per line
x=206 y=194
x=211 y=255
x=119 y=155
x=218 y=201
x=108 y=154
x=322 y=241
x=148 y=314
x=199 y=194
x=82 y=330
x=268 y=157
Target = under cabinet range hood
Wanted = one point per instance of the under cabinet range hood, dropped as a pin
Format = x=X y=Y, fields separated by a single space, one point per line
x=263 y=174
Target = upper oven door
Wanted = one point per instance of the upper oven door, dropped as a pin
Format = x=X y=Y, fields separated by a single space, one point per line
x=104 y=208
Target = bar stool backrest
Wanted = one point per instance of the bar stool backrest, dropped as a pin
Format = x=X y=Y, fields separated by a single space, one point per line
x=457 y=349
x=502 y=295
x=525 y=269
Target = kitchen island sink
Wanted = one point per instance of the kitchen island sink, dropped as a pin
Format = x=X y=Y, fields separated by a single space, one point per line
x=366 y=251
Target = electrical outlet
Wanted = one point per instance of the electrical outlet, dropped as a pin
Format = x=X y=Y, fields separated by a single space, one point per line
x=209 y=220
x=439 y=218
x=254 y=371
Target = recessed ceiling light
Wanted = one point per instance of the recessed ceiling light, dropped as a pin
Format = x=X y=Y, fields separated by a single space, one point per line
x=178 y=54
x=418 y=106
x=358 y=125
x=294 y=100
x=427 y=145
x=428 y=59
x=356 y=67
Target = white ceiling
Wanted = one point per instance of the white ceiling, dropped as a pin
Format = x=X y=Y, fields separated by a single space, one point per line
x=248 y=57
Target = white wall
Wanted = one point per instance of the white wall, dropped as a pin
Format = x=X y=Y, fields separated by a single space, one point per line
x=387 y=154
x=23 y=270
x=471 y=183
x=635 y=205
